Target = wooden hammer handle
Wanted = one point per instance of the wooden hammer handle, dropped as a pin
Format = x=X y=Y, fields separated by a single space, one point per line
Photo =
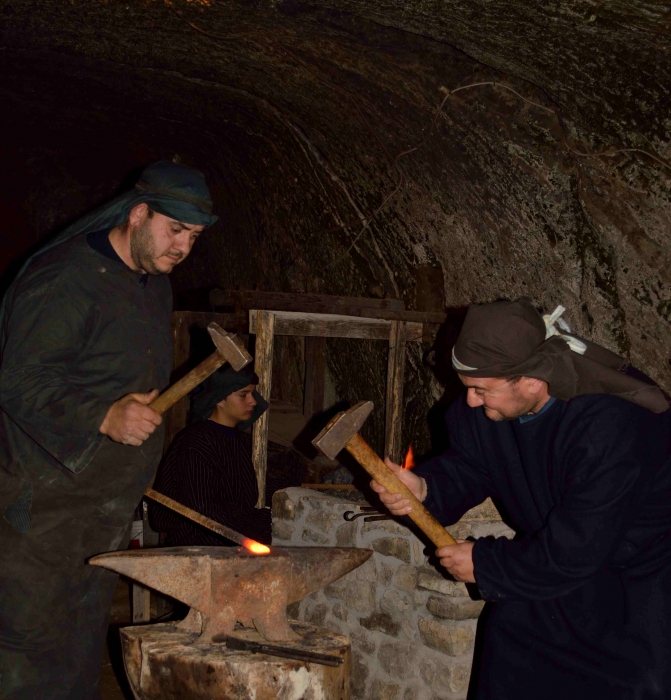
x=195 y=516
x=188 y=382
x=368 y=459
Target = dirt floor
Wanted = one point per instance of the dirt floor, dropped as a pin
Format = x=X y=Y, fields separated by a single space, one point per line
x=113 y=683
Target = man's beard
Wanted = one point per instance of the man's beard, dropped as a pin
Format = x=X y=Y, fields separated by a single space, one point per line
x=143 y=250
x=497 y=416
x=522 y=409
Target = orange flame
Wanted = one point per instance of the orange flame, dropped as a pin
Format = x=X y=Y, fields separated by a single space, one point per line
x=255 y=547
x=409 y=461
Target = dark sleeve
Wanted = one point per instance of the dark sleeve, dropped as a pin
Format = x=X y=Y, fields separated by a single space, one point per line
x=581 y=531
x=45 y=332
x=457 y=480
x=197 y=482
x=189 y=475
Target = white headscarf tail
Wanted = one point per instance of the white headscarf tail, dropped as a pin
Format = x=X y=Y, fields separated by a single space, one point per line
x=551 y=329
x=459 y=366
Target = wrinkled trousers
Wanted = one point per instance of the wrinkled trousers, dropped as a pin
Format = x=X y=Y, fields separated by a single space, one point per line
x=54 y=614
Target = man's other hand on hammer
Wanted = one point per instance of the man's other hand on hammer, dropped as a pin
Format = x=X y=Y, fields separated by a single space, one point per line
x=457 y=559
x=130 y=421
x=396 y=504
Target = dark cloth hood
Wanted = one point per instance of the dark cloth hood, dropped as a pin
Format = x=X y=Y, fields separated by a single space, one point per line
x=171 y=189
x=218 y=386
x=511 y=338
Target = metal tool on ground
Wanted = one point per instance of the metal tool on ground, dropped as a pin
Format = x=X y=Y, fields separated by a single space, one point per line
x=342 y=432
x=286 y=652
x=225 y=585
x=229 y=348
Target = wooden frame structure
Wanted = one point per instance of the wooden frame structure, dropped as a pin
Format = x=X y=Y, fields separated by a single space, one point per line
x=268 y=324
x=314 y=317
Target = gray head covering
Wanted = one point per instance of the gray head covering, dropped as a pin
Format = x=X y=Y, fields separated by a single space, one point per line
x=171 y=189
x=221 y=384
x=511 y=338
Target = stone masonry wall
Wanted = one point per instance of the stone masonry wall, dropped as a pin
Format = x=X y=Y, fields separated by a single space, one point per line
x=412 y=628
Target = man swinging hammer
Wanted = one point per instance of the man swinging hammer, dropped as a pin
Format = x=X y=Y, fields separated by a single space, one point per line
x=86 y=345
x=575 y=446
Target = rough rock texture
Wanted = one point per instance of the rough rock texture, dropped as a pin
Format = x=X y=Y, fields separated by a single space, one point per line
x=302 y=113
x=412 y=629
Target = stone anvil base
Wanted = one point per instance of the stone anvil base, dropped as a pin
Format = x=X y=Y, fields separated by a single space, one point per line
x=166 y=662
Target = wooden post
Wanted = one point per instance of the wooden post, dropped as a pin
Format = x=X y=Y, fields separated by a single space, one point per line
x=315 y=376
x=141 y=596
x=263 y=366
x=394 y=403
x=175 y=418
x=141 y=603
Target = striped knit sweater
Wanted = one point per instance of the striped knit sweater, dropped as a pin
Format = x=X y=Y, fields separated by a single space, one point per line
x=209 y=469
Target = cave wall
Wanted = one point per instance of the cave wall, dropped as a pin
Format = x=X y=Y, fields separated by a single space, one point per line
x=302 y=115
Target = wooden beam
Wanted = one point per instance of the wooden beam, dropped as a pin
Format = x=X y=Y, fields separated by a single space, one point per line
x=237 y=322
x=141 y=596
x=334 y=326
x=283 y=301
x=264 y=322
x=141 y=603
x=394 y=402
x=315 y=376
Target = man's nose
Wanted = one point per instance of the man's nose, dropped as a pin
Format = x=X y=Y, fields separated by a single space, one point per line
x=472 y=399
x=183 y=242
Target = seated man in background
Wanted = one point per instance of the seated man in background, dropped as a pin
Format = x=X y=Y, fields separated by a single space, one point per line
x=209 y=465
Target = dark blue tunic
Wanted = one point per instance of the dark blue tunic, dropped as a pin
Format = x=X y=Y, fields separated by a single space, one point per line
x=582 y=597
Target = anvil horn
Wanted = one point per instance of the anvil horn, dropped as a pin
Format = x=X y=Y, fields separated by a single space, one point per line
x=230 y=585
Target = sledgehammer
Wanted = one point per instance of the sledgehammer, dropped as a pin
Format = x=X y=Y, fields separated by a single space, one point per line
x=229 y=348
x=343 y=432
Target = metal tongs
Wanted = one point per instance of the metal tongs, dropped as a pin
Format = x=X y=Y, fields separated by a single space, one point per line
x=238 y=644
x=368 y=513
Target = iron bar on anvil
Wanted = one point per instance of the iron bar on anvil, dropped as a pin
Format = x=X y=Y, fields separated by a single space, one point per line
x=252 y=545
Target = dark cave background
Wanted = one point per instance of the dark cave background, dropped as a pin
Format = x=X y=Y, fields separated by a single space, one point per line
x=299 y=112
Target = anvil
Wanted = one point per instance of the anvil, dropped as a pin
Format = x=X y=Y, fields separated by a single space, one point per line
x=225 y=585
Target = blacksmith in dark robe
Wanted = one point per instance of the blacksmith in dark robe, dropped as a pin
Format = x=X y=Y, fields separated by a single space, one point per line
x=86 y=344
x=575 y=446
x=209 y=465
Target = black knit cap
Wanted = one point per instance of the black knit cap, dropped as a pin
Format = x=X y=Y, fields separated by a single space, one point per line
x=221 y=384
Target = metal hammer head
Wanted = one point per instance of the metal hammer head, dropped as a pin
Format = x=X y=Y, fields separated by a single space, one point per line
x=342 y=428
x=229 y=346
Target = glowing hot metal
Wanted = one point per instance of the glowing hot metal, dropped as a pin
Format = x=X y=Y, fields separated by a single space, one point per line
x=255 y=547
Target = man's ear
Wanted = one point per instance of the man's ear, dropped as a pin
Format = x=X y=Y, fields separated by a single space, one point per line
x=534 y=386
x=138 y=214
